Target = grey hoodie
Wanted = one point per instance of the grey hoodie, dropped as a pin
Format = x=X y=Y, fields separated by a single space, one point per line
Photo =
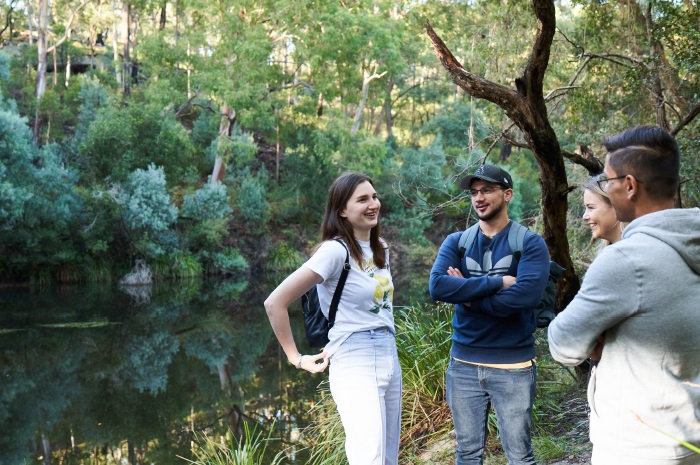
x=643 y=292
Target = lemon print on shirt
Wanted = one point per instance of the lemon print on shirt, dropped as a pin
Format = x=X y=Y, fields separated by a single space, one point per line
x=383 y=294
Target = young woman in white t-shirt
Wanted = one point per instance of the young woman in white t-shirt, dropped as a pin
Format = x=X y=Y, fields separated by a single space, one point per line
x=364 y=373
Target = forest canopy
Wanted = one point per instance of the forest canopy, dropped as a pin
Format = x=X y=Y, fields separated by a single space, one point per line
x=201 y=136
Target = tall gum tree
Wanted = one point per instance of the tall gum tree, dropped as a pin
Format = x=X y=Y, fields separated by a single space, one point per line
x=43 y=50
x=526 y=107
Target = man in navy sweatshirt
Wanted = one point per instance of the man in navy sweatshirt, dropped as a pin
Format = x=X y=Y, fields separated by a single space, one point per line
x=495 y=293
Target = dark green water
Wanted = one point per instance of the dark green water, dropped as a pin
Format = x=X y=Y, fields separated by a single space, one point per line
x=98 y=374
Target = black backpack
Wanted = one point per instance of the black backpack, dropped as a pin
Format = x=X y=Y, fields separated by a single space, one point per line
x=516 y=236
x=315 y=322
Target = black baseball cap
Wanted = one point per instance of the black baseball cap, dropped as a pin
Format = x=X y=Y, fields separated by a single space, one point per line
x=489 y=173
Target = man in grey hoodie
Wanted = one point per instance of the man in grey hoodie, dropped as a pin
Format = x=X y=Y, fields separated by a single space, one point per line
x=640 y=304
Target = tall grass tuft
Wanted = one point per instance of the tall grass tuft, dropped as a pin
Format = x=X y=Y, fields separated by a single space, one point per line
x=96 y=271
x=326 y=434
x=283 y=258
x=176 y=265
x=249 y=450
x=424 y=338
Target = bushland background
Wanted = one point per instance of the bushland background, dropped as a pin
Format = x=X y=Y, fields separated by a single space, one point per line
x=198 y=138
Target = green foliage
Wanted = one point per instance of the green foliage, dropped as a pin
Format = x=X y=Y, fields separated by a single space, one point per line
x=250 y=202
x=147 y=210
x=283 y=258
x=206 y=234
x=229 y=261
x=205 y=129
x=122 y=139
x=146 y=203
x=239 y=150
x=421 y=174
x=411 y=224
x=249 y=450
x=91 y=97
x=526 y=186
x=326 y=434
x=147 y=361
x=452 y=124
x=40 y=210
x=206 y=203
x=5 y=60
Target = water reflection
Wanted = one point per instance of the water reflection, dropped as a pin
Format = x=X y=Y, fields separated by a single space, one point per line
x=94 y=374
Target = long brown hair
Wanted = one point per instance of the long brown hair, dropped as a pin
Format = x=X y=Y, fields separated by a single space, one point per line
x=334 y=225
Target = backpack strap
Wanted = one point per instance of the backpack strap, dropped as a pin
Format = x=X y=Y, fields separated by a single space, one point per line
x=516 y=238
x=467 y=239
x=339 y=288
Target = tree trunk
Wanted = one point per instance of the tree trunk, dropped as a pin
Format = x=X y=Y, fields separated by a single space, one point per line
x=367 y=78
x=40 y=90
x=30 y=23
x=55 y=68
x=385 y=115
x=363 y=100
x=526 y=107
x=126 y=18
x=656 y=50
x=161 y=26
x=228 y=119
x=46 y=448
x=131 y=454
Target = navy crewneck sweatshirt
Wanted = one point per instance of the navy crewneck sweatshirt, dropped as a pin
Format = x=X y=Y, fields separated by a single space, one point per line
x=492 y=324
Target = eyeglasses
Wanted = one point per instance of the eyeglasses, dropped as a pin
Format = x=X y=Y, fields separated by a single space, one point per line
x=603 y=181
x=485 y=191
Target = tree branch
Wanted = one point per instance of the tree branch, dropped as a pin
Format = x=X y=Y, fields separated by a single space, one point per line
x=529 y=85
x=187 y=103
x=688 y=118
x=587 y=159
x=68 y=26
x=475 y=86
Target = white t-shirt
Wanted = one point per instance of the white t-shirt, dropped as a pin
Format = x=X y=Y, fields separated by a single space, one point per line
x=366 y=301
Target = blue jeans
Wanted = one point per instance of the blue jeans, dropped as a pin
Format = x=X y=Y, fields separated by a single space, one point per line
x=470 y=390
x=365 y=380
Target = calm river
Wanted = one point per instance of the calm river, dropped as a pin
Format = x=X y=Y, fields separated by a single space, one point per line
x=99 y=374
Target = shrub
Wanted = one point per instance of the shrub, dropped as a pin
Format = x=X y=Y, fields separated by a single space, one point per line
x=208 y=202
x=147 y=210
x=252 y=204
x=283 y=258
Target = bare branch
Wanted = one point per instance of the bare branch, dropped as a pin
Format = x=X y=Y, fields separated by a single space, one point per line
x=187 y=103
x=398 y=97
x=586 y=158
x=615 y=57
x=577 y=46
x=68 y=26
x=475 y=86
x=514 y=142
x=560 y=91
x=688 y=118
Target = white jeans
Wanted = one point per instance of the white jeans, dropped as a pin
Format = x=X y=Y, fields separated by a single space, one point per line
x=365 y=380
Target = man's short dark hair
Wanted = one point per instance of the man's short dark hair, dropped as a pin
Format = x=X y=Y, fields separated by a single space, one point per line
x=651 y=155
